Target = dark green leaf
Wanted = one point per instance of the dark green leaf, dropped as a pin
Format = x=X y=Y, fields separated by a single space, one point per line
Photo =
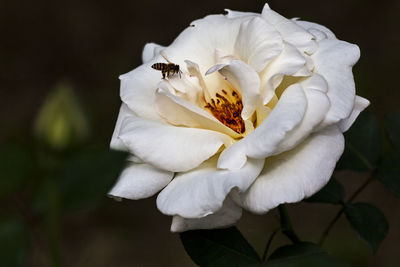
x=219 y=248
x=13 y=242
x=332 y=193
x=14 y=167
x=388 y=173
x=392 y=126
x=363 y=144
x=302 y=254
x=86 y=179
x=368 y=221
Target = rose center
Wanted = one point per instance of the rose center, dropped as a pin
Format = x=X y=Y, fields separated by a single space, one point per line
x=227 y=108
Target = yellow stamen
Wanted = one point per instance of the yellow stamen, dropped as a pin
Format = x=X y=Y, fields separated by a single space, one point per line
x=227 y=108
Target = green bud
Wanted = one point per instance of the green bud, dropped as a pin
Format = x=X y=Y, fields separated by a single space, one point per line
x=61 y=121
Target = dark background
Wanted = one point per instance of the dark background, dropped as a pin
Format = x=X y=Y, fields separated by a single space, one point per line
x=89 y=43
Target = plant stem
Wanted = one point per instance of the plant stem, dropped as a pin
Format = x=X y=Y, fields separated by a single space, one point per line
x=264 y=257
x=362 y=187
x=53 y=224
x=30 y=220
x=286 y=225
x=331 y=224
x=341 y=211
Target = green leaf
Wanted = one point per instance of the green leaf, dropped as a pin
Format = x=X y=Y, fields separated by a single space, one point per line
x=392 y=126
x=388 y=173
x=368 y=221
x=332 y=193
x=219 y=248
x=14 y=167
x=13 y=242
x=85 y=180
x=302 y=254
x=363 y=144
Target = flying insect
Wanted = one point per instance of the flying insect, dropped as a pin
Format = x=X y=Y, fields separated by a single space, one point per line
x=167 y=69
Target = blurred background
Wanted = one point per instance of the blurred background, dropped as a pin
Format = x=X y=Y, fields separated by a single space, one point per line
x=64 y=57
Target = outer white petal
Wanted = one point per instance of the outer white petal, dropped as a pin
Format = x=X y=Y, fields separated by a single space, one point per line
x=265 y=139
x=202 y=191
x=168 y=147
x=287 y=63
x=116 y=142
x=307 y=69
x=226 y=216
x=139 y=181
x=318 y=105
x=138 y=88
x=296 y=174
x=178 y=111
x=257 y=43
x=232 y=14
x=334 y=61
x=291 y=32
x=247 y=81
x=360 y=104
x=311 y=25
x=151 y=50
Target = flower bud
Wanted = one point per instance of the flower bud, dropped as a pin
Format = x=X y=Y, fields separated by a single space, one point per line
x=61 y=122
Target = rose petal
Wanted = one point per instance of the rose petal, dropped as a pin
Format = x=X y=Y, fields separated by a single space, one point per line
x=264 y=140
x=311 y=25
x=296 y=174
x=226 y=216
x=222 y=60
x=222 y=57
x=150 y=51
x=117 y=143
x=262 y=113
x=318 y=105
x=287 y=63
x=232 y=14
x=168 y=147
x=139 y=181
x=194 y=70
x=360 y=104
x=216 y=67
x=188 y=85
x=334 y=61
x=202 y=191
x=257 y=43
x=138 y=88
x=306 y=70
x=178 y=111
x=247 y=82
x=291 y=32
x=198 y=43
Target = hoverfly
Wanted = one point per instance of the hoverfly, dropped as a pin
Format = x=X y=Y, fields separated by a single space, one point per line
x=167 y=69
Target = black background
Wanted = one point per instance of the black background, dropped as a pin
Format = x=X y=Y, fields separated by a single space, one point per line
x=90 y=43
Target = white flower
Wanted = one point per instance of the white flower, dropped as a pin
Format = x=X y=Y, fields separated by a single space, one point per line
x=255 y=120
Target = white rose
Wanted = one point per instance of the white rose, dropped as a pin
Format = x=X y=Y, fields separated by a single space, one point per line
x=255 y=120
